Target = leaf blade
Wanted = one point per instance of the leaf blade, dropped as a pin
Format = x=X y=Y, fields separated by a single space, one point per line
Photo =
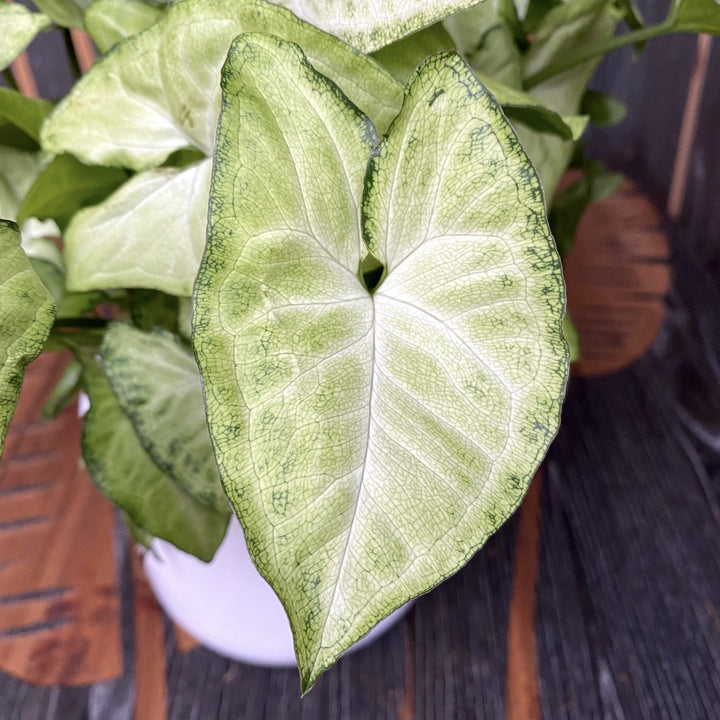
x=148 y=234
x=158 y=91
x=126 y=474
x=20 y=26
x=361 y=25
x=298 y=361
x=157 y=384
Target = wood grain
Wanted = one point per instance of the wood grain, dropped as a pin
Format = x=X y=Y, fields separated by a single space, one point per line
x=151 y=700
x=59 y=608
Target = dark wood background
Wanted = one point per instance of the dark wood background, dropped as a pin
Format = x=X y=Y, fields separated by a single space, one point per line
x=627 y=622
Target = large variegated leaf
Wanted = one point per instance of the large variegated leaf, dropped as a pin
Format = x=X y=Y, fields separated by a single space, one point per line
x=158 y=386
x=371 y=442
x=159 y=90
x=126 y=474
x=26 y=316
x=369 y=25
x=150 y=233
x=19 y=28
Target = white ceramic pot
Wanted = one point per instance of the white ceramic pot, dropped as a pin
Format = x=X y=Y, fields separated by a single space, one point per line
x=226 y=605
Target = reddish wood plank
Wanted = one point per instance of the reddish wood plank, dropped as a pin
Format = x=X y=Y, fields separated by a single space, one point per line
x=151 y=701
x=523 y=688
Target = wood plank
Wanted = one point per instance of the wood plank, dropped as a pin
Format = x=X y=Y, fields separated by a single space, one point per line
x=642 y=541
x=461 y=637
x=366 y=684
x=523 y=691
x=151 y=699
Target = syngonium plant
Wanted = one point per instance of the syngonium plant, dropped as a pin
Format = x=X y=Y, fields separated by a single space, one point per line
x=306 y=268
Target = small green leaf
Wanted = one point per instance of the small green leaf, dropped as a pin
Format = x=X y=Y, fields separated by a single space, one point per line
x=158 y=386
x=67 y=387
x=149 y=233
x=158 y=91
x=371 y=442
x=18 y=171
x=151 y=309
x=20 y=119
x=365 y=26
x=65 y=186
x=522 y=107
x=40 y=242
x=603 y=110
x=536 y=12
x=701 y=16
x=19 y=28
x=126 y=474
x=109 y=21
x=50 y=277
x=561 y=31
x=26 y=316
x=569 y=205
x=564 y=29
x=68 y=13
x=487 y=35
x=571 y=338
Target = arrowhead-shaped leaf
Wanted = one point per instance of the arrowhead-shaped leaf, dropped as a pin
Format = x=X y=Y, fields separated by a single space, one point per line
x=159 y=91
x=19 y=28
x=149 y=233
x=158 y=386
x=368 y=26
x=371 y=442
x=26 y=316
x=126 y=474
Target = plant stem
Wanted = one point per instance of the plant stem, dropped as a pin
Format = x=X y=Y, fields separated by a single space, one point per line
x=594 y=49
x=80 y=323
x=9 y=79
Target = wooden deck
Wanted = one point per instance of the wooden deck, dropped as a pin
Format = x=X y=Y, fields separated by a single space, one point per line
x=600 y=599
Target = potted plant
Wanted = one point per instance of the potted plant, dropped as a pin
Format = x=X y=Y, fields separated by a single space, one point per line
x=359 y=344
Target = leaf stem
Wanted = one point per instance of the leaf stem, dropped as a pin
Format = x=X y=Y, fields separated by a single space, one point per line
x=592 y=50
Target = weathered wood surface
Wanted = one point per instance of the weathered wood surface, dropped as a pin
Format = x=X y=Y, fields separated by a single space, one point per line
x=628 y=594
